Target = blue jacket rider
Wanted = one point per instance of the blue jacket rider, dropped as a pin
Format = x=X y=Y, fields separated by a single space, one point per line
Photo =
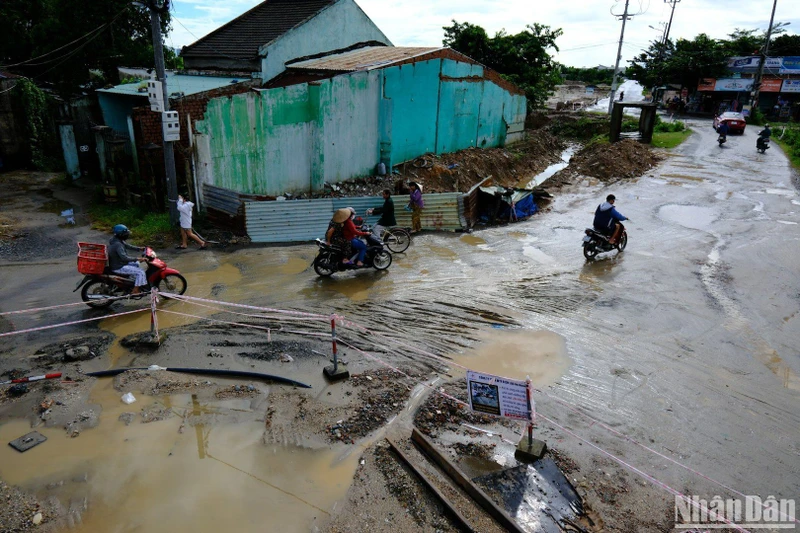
x=607 y=219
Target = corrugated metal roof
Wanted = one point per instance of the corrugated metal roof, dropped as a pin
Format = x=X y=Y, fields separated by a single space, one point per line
x=177 y=83
x=367 y=58
x=305 y=220
x=243 y=36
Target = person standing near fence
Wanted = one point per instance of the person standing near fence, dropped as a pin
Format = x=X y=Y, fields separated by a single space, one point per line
x=417 y=204
x=185 y=209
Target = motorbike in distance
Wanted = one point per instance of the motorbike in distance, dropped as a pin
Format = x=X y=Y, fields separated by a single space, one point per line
x=102 y=288
x=722 y=139
x=329 y=258
x=595 y=243
x=762 y=144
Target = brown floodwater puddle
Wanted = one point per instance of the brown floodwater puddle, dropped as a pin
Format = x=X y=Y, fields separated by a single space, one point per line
x=516 y=354
x=441 y=251
x=472 y=240
x=151 y=477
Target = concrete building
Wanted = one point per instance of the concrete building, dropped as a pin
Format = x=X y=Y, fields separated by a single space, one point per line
x=334 y=118
x=261 y=41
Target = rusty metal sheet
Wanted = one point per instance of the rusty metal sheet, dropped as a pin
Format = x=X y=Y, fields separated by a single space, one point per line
x=305 y=220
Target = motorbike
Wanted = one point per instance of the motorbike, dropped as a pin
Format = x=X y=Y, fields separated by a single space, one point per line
x=101 y=290
x=762 y=144
x=722 y=139
x=329 y=259
x=595 y=243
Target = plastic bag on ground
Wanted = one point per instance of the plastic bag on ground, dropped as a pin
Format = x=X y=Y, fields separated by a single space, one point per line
x=128 y=398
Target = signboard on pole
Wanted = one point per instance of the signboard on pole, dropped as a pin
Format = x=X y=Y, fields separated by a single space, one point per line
x=731 y=84
x=771 y=85
x=498 y=396
x=790 y=65
x=791 y=86
x=706 y=84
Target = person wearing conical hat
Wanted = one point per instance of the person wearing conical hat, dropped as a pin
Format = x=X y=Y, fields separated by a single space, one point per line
x=335 y=234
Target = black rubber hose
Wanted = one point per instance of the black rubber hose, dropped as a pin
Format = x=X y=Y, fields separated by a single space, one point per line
x=239 y=374
x=205 y=372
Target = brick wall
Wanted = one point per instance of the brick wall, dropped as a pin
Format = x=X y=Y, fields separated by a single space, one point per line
x=148 y=136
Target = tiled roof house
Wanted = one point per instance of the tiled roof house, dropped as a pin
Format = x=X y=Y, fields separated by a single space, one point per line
x=275 y=32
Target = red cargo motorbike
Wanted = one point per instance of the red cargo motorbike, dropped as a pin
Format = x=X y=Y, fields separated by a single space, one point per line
x=101 y=287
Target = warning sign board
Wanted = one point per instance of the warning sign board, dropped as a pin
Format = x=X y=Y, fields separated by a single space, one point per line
x=499 y=396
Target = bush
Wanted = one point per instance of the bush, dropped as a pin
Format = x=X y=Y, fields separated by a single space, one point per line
x=146 y=227
x=585 y=127
x=756 y=117
x=669 y=127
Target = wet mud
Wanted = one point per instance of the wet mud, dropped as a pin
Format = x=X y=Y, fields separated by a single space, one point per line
x=684 y=342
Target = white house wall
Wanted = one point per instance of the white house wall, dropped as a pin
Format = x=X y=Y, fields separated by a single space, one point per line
x=334 y=28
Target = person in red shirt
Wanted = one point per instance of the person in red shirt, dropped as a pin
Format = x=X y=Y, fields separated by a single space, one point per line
x=352 y=234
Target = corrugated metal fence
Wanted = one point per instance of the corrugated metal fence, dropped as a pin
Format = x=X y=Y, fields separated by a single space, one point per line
x=305 y=220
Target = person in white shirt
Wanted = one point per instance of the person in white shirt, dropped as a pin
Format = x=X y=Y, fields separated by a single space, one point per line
x=185 y=209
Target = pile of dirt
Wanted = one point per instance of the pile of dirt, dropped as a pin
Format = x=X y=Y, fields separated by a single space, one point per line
x=458 y=171
x=440 y=413
x=21 y=511
x=381 y=397
x=609 y=162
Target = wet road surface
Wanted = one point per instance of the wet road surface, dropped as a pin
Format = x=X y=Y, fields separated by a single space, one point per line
x=687 y=341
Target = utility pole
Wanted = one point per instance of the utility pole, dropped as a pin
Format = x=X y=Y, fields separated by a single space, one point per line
x=672 y=14
x=762 y=61
x=156 y=7
x=619 y=58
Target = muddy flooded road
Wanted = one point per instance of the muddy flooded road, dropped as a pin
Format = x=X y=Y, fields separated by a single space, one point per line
x=687 y=342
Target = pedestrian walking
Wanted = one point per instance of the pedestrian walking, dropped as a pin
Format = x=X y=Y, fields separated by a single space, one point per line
x=185 y=210
x=417 y=204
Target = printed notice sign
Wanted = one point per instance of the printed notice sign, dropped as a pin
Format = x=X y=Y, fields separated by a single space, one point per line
x=499 y=396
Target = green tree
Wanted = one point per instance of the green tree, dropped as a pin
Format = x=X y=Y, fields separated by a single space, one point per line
x=63 y=41
x=744 y=43
x=785 y=45
x=683 y=62
x=594 y=76
x=521 y=58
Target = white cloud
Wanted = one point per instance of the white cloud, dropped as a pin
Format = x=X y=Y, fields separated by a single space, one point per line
x=590 y=31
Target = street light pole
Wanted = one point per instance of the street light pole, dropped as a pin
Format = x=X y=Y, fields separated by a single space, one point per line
x=763 y=60
x=619 y=57
x=155 y=7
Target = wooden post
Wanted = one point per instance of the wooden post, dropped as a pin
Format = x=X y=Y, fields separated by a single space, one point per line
x=334 y=373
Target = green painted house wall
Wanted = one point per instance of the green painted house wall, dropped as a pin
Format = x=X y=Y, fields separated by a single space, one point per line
x=300 y=137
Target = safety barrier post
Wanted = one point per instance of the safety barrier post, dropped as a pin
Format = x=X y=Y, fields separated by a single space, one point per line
x=333 y=372
x=530 y=449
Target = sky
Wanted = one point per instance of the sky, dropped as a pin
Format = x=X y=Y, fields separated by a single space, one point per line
x=591 y=32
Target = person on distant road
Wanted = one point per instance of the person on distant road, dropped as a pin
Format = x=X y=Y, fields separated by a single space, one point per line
x=386 y=212
x=185 y=210
x=416 y=204
x=607 y=219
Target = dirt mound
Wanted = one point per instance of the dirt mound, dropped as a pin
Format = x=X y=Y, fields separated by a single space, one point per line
x=459 y=171
x=608 y=162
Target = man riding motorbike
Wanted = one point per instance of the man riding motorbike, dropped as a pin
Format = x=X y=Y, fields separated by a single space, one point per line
x=120 y=262
x=763 y=138
x=386 y=212
x=607 y=219
x=722 y=129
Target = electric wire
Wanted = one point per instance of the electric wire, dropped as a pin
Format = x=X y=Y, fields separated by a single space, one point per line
x=96 y=31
